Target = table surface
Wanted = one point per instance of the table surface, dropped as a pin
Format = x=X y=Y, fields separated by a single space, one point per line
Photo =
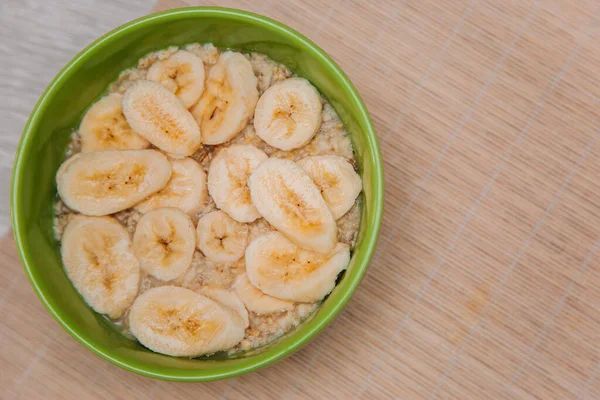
x=486 y=281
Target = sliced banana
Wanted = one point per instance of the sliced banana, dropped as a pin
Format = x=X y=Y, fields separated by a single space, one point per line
x=104 y=127
x=228 y=180
x=256 y=301
x=227 y=298
x=159 y=116
x=98 y=258
x=287 y=198
x=288 y=114
x=179 y=322
x=164 y=243
x=182 y=74
x=221 y=238
x=110 y=181
x=229 y=98
x=340 y=185
x=279 y=268
x=185 y=190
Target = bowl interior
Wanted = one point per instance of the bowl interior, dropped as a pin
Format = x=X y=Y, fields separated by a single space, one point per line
x=84 y=80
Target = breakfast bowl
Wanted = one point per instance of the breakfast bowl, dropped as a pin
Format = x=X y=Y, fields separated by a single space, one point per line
x=59 y=112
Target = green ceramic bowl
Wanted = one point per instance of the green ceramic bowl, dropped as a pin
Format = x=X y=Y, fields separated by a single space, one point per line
x=83 y=81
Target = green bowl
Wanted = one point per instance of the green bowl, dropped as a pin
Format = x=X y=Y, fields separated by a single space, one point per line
x=83 y=81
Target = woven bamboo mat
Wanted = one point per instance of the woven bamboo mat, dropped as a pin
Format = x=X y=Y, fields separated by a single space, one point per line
x=486 y=281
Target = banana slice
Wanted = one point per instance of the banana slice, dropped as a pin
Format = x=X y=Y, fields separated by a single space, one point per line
x=281 y=269
x=158 y=115
x=287 y=198
x=340 y=185
x=98 y=258
x=221 y=238
x=179 y=322
x=256 y=301
x=110 y=181
x=228 y=102
x=185 y=190
x=182 y=74
x=229 y=299
x=288 y=114
x=104 y=127
x=164 y=243
x=228 y=180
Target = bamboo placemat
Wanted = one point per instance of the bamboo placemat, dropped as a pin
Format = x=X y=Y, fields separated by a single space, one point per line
x=486 y=281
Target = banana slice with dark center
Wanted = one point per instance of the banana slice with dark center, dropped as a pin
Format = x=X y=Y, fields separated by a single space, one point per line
x=281 y=269
x=229 y=99
x=106 y=182
x=221 y=238
x=288 y=114
x=228 y=180
x=164 y=243
x=159 y=116
x=182 y=74
x=288 y=199
x=185 y=190
x=104 y=127
x=335 y=177
x=98 y=258
x=179 y=322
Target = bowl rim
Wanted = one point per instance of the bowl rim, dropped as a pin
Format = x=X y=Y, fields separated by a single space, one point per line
x=369 y=244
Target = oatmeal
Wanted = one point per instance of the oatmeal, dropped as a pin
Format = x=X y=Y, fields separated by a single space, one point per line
x=227 y=205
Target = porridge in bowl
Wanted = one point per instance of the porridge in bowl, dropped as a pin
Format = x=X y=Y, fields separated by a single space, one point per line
x=208 y=202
